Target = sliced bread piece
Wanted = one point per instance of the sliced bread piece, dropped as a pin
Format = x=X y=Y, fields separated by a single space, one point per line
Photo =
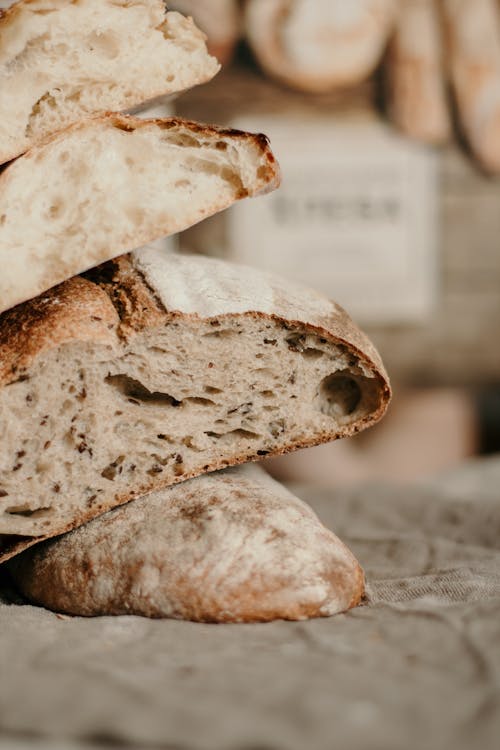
x=157 y=368
x=232 y=546
x=319 y=46
x=64 y=60
x=112 y=184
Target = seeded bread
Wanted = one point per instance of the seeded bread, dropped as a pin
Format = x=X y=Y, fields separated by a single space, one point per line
x=64 y=60
x=156 y=368
x=232 y=546
x=319 y=46
x=112 y=184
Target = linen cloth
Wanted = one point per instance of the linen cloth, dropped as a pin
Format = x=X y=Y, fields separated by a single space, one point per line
x=418 y=666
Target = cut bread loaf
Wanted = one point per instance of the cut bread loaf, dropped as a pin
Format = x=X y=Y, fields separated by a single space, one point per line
x=156 y=368
x=64 y=60
x=232 y=546
x=319 y=46
x=112 y=184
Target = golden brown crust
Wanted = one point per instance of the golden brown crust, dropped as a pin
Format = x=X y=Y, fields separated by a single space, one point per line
x=197 y=557
x=74 y=311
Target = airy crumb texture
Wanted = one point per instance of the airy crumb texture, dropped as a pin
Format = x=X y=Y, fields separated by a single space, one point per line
x=64 y=60
x=112 y=386
x=112 y=184
x=232 y=546
x=322 y=45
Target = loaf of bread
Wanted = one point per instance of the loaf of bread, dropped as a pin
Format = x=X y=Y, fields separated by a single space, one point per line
x=156 y=368
x=64 y=60
x=322 y=45
x=416 y=73
x=473 y=32
x=112 y=184
x=219 y=19
x=232 y=546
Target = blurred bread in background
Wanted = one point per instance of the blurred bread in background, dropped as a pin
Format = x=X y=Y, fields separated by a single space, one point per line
x=473 y=34
x=416 y=90
x=318 y=46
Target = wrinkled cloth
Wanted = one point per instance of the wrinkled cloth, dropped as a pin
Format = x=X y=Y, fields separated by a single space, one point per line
x=418 y=666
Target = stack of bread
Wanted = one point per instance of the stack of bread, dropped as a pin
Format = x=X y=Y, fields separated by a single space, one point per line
x=130 y=379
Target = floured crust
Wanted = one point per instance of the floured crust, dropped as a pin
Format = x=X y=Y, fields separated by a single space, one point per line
x=233 y=546
x=118 y=304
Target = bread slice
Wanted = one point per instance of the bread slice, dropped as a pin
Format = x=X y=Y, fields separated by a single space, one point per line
x=64 y=60
x=112 y=184
x=319 y=46
x=232 y=546
x=157 y=368
x=418 y=102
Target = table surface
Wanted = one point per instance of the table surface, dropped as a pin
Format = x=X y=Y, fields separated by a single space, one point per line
x=417 y=667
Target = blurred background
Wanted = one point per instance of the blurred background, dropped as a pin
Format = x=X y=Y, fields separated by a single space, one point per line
x=385 y=116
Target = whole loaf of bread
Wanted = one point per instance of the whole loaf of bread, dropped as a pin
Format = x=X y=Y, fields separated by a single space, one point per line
x=232 y=546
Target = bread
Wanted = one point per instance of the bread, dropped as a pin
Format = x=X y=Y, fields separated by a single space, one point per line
x=64 y=60
x=156 y=368
x=112 y=184
x=416 y=75
x=473 y=31
x=319 y=46
x=232 y=546
x=219 y=19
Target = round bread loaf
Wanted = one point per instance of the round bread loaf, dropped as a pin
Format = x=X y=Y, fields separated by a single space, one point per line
x=233 y=546
x=319 y=46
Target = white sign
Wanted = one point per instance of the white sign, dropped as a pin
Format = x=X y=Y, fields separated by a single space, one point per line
x=355 y=217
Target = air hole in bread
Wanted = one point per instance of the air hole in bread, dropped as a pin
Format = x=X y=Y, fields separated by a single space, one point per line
x=24 y=510
x=239 y=433
x=200 y=401
x=185 y=140
x=135 y=392
x=340 y=394
x=212 y=389
x=224 y=334
x=311 y=353
x=106 y=45
x=114 y=468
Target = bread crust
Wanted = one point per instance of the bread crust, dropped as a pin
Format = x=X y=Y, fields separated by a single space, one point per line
x=114 y=302
x=233 y=546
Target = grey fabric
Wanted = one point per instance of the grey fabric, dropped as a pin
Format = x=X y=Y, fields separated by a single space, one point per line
x=417 y=667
